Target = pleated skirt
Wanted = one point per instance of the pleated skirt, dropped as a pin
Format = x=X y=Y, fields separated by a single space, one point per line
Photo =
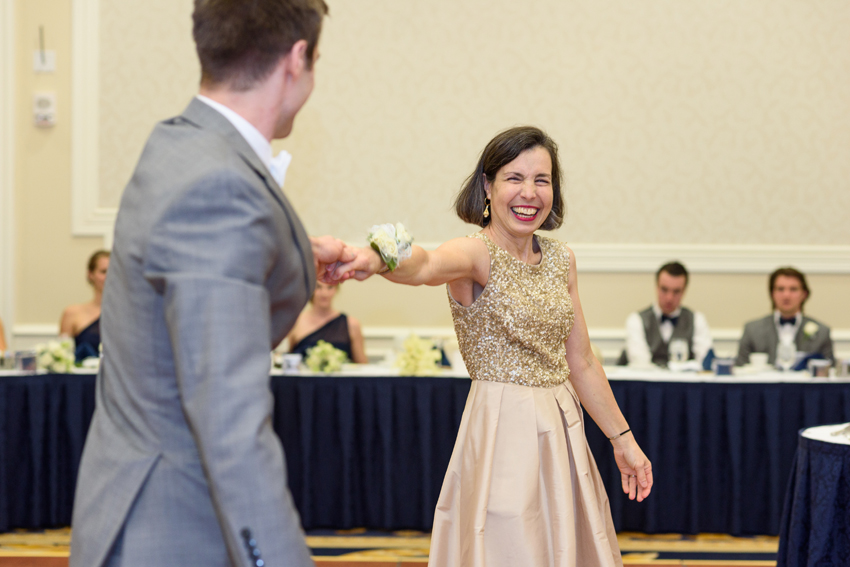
x=522 y=488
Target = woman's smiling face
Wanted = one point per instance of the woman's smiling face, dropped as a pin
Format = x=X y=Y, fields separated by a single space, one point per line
x=521 y=193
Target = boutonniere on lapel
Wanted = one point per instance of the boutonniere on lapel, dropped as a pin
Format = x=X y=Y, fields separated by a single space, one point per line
x=810 y=328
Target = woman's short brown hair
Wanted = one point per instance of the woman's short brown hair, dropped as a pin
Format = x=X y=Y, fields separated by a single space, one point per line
x=239 y=42
x=499 y=152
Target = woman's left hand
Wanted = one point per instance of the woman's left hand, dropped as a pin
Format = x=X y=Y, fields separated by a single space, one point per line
x=635 y=468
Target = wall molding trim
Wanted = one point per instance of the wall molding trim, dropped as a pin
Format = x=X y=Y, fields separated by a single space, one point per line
x=7 y=163
x=88 y=218
x=383 y=341
x=707 y=258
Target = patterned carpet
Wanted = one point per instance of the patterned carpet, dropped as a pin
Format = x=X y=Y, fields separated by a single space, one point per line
x=362 y=548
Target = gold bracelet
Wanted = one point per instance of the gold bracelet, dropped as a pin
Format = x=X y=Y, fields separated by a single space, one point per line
x=620 y=435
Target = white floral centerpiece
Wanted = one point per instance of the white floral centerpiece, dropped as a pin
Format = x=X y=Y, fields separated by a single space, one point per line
x=56 y=356
x=419 y=358
x=324 y=357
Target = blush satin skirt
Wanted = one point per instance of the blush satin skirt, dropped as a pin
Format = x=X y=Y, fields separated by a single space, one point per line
x=522 y=488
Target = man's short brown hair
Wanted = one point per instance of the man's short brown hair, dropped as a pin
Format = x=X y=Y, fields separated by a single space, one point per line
x=239 y=42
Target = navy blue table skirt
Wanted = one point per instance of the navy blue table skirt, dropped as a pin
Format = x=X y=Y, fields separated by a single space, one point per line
x=372 y=451
x=816 y=519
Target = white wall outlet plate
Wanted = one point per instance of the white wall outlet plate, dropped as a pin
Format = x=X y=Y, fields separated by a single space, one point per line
x=44 y=61
x=44 y=109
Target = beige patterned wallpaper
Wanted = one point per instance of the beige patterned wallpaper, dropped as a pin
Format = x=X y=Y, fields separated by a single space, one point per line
x=679 y=120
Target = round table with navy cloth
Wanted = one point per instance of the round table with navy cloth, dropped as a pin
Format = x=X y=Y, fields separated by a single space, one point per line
x=372 y=451
x=816 y=520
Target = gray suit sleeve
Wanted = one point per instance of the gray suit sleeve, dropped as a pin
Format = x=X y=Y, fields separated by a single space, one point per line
x=826 y=345
x=745 y=346
x=209 y=256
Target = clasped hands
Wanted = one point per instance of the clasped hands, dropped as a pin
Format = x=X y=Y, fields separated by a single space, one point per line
x=335 y=261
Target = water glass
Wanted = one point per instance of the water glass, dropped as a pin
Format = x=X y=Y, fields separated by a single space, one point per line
x=786 y=355
x=677 y=350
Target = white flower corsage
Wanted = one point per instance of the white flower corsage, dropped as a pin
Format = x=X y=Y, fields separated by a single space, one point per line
x=56 y=356
x=810 y=328
x=392 y=242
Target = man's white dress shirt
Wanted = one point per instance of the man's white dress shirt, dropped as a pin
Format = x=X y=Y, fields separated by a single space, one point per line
x=637 y=348
x=276 y=165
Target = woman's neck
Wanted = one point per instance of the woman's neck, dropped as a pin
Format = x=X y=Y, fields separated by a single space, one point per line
x=322 y=312
x=522 y=248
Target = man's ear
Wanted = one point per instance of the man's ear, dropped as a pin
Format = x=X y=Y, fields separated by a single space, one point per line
x=296 y=59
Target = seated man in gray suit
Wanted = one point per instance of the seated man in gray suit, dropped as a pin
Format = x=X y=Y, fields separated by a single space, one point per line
x=649 y=332
x=210 y=269
x=787 y=324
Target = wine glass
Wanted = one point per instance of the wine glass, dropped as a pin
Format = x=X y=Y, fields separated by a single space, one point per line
x=786 y=354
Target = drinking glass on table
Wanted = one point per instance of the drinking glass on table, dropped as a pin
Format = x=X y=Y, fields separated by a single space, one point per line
x=786 y=355
x=677 y=350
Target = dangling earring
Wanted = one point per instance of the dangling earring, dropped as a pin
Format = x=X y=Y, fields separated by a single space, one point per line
x=486 y=207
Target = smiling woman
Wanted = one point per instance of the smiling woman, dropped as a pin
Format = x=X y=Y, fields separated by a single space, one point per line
x=522 y=487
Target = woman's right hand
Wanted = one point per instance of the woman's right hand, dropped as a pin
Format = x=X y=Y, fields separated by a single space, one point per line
x=635 y=468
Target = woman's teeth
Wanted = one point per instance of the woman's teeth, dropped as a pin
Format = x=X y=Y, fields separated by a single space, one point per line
x=524 y=212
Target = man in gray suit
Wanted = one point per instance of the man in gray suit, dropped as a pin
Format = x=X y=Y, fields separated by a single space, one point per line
x=787 y=324
x=209 y=271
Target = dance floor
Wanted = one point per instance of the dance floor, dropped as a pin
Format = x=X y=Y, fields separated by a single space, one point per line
x=361 y=548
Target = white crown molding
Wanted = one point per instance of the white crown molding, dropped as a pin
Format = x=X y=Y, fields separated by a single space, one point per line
x=88 y=218
x=707 y=258
x=7 y=163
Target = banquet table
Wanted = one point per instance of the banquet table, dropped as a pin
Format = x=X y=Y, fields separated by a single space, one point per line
x=371 y=450
x=816 y=521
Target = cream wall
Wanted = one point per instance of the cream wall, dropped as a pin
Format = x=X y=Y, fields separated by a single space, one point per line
x=679 y=122
x=49 y=263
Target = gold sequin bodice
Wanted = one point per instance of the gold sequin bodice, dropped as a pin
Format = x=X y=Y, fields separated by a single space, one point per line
x=515 y=330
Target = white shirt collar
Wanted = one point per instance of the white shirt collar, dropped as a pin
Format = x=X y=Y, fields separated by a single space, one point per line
x=777 y=315
x=276 y=165
x=657 y=310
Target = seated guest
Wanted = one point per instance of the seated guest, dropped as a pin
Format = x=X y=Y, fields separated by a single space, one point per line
x=82 y=321
x=2 y=338
x=649 y=332
x=787 y=324
x=320 y=322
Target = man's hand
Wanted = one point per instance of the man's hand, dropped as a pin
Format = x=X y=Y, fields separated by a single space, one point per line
x=328 y=253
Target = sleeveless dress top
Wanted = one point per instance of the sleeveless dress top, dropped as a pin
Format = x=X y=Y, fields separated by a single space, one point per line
x=515 y=330
x=334 y=332
x=87 y=342
x=522 y=487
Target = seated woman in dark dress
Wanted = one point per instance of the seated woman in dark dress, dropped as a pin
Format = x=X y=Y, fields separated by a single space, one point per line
x=320 y=322
x=82 y=321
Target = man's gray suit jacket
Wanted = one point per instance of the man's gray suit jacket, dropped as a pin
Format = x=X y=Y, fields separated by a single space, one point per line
x=209 y=271
x=761 y=336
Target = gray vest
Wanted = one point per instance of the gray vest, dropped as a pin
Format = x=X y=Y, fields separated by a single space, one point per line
x=684 y=329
